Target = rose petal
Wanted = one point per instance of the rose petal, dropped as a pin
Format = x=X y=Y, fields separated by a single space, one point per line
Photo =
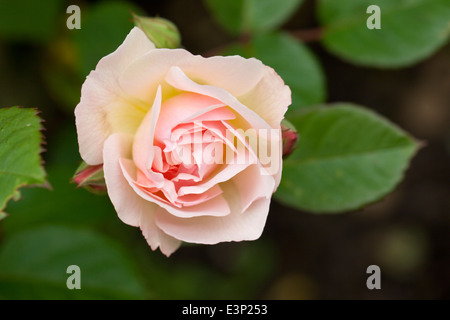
x=125 y=201
x=148 y=187
x=195 y=199
x=252 y=185
x=267 y=143
x=178 y=109
x=100 y=97
x=156 y=237
x=141 y=78
x=135 y=45
x=212 y=113
x=237 y=226
x=225 y=174
x=131 y=208
x=143 y=152
x=178 y=79
x=270 y=98
x=235 y=74
x=216 y=206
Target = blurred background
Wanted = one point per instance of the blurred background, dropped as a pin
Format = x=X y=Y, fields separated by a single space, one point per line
x=299 y=256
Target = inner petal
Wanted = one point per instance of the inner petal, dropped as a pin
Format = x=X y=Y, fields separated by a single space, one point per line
x=178 y=109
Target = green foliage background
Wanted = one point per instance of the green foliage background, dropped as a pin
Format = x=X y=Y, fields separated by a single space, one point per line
x=348 y=156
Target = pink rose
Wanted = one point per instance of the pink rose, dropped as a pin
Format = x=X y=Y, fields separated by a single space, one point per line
x=190 y=146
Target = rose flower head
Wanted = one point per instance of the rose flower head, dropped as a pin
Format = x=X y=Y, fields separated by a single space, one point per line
x=191 y=147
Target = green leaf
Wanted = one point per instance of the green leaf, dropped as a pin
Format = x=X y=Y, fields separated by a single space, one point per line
x=104 y=27
x=64 y=204
x=29 y=20
x=411 y=30
x=20 y=146
x=293 y=61
x=33 y=265
x=252 y=16
x=347 y=157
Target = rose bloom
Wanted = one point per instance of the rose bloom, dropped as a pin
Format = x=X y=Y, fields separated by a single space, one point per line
x=188 y=144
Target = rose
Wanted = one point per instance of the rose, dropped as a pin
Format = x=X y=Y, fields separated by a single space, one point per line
x=190 y=146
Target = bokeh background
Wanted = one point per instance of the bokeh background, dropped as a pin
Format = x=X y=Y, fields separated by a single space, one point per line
x=299 y=256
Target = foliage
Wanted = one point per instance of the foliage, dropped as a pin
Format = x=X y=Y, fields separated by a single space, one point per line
x=347 y=155
x=20 y=146
x=398 y=43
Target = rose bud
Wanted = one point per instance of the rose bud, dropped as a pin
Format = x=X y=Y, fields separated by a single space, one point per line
x=162 y=32
x=290 y=137
x=90 y=178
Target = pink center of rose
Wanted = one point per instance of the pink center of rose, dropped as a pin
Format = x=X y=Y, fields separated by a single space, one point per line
x=178 y=157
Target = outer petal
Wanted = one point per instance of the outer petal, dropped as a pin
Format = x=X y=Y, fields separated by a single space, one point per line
x=270 y=98
x=100 y=97
x=253 y=185
x=235 y=74
x=237 y=226
x=141 y=79
x=131 y=208
x=156 y=237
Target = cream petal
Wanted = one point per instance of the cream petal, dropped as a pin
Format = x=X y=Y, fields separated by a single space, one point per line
x=179 y=109
x=195 y=199
x=141 y=78
x=235 y=74
x=252 y=185
x=135 y=45
x=227 y=172
x=270 y=98
x=100 y=93
x=219 y=130
x=213 y=113
x=237 y=226
x=267 y=143
x=145 y=185
x=127 y=203
x=91 y=121
x=158 y=162
x=216 y=206
x=143 y=151
x=131 y=208
x=178 y=79
x=240 y=136
x=156 y=237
